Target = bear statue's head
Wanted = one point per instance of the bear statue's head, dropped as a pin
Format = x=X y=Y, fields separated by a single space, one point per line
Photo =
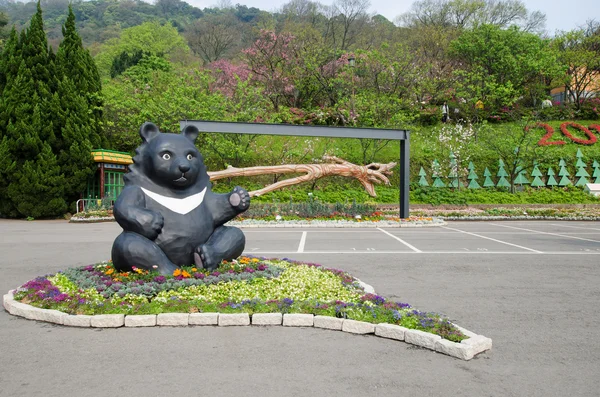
x=169 y=162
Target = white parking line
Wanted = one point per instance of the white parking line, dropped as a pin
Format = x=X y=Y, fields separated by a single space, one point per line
x=576 y=227
x=302 y=242
x=426 y=252
x=399 y=239
x=493 y=239
x=552 y=234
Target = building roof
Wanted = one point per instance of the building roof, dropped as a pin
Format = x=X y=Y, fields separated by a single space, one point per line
x=111 y=157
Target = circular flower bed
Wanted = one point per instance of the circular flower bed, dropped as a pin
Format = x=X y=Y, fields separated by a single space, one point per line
x=246 y=285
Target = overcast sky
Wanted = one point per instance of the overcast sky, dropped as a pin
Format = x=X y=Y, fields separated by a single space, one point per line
x=561 y=15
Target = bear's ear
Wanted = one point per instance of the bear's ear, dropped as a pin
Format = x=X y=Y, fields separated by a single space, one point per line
x=149 y=131
x=191 y=132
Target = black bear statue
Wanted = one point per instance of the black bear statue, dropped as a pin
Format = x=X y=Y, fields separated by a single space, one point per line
x=169 y=214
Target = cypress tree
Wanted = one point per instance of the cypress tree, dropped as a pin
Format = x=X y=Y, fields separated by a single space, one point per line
x=32 y=185
x=76 y=63
x=73 y=148
x=38 y=187
x=10 y=59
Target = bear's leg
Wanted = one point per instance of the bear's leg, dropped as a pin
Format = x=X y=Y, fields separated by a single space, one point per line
x=225 y=243
x=134 y=250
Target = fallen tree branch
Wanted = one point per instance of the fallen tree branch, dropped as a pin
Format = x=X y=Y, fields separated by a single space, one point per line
x=366 y=174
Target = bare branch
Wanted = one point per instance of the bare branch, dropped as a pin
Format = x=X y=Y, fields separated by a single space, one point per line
x=367 y=175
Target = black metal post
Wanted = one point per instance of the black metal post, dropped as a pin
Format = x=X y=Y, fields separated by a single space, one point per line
x=404 y=176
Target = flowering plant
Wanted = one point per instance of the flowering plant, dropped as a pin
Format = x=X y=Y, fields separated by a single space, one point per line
x=247 y=285
x=544 y=141
x=549 y=131
x=591 y=137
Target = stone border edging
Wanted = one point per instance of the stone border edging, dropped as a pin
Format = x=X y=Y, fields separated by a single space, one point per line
x=299 y=223
x=465 y=350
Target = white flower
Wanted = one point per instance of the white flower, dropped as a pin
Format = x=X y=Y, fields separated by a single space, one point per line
x=357 y=217
x=278 y=218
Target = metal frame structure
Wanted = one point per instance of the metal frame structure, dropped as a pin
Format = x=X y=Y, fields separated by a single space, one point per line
x=320 y=131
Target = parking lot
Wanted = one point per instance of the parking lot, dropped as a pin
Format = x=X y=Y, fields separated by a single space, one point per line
x=457 y=238
x=533 y=287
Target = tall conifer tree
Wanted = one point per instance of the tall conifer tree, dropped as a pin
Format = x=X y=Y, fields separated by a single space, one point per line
x=32 y=183
x=76 y=63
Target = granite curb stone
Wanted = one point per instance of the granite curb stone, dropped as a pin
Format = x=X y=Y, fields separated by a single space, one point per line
x=78 y=321
x=327 y=322
x=108 y=320
x=251 y=223
x=390 y=331
x=358 y=327
x=140 y=320
x=267 y=319
x=203 y=319
x=421 y=338
x=7 y=299
x=458 y=350
x=233 y=319
x=298 y=320
x=173 y=319
x=48 y=315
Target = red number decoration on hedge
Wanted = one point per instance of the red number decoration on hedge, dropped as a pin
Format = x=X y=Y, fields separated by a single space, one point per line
x=592 y=138
x=549 y=131
x=544 y=141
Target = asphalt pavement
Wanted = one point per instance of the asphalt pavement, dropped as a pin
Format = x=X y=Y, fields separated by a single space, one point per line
x=533 y=287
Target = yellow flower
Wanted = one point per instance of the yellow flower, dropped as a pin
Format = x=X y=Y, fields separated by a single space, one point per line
x=194 y=269
x=109 y=272
x=185 y=274
x=177 y=272
x=255 y=260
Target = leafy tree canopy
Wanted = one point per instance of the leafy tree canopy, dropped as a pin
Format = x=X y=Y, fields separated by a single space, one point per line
x=150 y=38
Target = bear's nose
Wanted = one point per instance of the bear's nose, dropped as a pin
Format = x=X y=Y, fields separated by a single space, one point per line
x=184 y=167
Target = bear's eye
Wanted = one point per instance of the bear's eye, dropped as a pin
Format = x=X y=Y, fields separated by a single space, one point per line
x=190 y=157
x=166 y=156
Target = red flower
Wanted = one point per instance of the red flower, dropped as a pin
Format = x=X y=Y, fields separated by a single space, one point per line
x=549 y=131
x=592 y=138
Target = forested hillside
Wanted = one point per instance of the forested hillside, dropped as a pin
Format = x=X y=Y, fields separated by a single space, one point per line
x=310 y=63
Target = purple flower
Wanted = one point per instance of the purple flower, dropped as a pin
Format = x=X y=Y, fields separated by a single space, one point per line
x=60 y=298
x=160 y=279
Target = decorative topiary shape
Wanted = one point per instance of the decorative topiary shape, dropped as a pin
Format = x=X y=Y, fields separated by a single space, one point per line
x=521 y=179
x=423 y=179
x=435 y=171
x=472 y=177
x=551 y=181
x=453 y=174
x=488 y=182
x=537 y=180
x=582 y=174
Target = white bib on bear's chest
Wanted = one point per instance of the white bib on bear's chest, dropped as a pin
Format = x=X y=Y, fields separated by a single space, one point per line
x=181 y=206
